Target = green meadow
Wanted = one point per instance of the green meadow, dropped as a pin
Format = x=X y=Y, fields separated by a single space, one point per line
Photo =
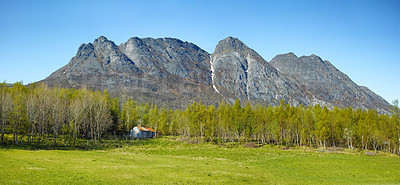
x=162 y=161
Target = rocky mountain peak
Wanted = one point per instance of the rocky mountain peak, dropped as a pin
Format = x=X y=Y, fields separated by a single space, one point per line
x=102 y=43
x=172 y=71
x=287 y=55
x=230 y=44
x=290 y=61
x=85 y=51
x=132 y=45
x=101 y=39
x=325 y=82
x=134 y=40
x=240 y=72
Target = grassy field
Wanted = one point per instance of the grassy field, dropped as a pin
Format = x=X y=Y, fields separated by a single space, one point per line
x=170 y=162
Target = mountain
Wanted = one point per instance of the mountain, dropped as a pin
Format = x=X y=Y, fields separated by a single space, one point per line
x=239 y=72
x=325 y=83
x=171 y=72
x=165 y=71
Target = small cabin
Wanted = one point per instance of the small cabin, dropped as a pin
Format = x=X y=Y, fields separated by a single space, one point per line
x=142 y=132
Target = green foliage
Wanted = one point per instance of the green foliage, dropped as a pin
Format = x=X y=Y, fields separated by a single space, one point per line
x=129 y=117
x=42 y=115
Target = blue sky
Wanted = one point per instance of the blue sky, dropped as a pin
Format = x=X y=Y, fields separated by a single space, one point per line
x=361 y=38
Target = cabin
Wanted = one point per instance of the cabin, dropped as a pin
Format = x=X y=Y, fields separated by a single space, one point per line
x=142 y=132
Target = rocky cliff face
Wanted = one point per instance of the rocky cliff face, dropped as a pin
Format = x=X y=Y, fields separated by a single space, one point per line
x=240 y=73
x=325 y=83
x=171 y=72
x=164 y=71
x=160 y=57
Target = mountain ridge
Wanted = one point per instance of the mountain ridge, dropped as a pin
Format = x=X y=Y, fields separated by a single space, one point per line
x=171 y=71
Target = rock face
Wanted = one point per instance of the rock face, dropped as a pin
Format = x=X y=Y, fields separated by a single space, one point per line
x=240 y=73
x=326 y=83
x=160 y=57
x=171 y=72
x=164 y=71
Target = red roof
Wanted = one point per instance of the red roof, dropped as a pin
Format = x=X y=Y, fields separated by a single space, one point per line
x=145 y=129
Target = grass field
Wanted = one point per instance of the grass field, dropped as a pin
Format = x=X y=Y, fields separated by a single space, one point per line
x=170 y=162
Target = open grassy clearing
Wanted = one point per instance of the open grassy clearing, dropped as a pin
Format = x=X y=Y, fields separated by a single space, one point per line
x=161 y=161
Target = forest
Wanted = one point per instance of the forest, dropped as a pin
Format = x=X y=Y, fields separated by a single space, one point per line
x=41 y=115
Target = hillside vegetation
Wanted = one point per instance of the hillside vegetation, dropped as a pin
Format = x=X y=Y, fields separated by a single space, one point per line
x=44 y=116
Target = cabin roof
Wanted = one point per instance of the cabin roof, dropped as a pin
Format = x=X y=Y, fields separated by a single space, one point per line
x=146 y=129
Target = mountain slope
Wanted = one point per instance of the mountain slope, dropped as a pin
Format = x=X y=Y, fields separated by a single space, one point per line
x=171 y=72
x=164 y=71
x=239 y=72
x=326 y=83
x=159 y=57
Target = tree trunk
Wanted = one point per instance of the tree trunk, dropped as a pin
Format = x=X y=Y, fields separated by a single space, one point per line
x=351 y=144
x=348 y=143
x=29 y=137
x=362 y=141
x=55 y=139
x=2 y=132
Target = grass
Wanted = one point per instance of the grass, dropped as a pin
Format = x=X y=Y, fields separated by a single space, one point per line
x=161 y=161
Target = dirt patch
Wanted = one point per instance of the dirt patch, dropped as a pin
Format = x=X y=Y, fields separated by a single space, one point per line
x=250 y=145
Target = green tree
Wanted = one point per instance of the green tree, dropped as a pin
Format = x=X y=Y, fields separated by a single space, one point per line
x=210 y=124
x=129 y=117
x=395 y=122
x=225 y=122
x=349 y=125
x=101 y=115
x=260 y=123
x=115 y=108
x=154 y=117
x=309 y=127
x=6 y=104
x=18 y=115
x=323 y=125
x=164 y=122
x=238 y=121
x=281 y=115
x=248 y=121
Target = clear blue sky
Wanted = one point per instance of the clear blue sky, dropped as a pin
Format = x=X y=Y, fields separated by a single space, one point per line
x=361 y=38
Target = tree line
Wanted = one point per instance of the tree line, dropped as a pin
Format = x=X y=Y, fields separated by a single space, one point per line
x=44 y=115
